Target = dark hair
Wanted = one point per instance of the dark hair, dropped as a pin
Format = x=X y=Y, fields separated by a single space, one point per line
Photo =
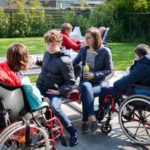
x=53 y=36
x=97 y=37
x=18 y=57
x=142 y=50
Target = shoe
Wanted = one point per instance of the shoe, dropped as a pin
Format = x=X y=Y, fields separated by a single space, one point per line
x=85 y=128
x=73 y=140
x=93 y=126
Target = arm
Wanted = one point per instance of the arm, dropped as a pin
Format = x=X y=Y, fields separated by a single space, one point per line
x=70 y=43
x=77 y=60
x=68 y=75
x=108 y=67
x=136 y=75
x=78 y=42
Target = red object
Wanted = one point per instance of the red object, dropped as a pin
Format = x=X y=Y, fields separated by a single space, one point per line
x=7 y=76
x=74 y=96
x=69 y=43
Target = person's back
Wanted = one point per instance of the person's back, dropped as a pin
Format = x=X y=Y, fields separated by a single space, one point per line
x=140 y=71
x=17 y=60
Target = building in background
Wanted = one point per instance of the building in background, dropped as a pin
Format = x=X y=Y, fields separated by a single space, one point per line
x=59 y=4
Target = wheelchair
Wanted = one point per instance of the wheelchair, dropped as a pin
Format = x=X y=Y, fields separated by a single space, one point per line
x=24 y=128
x=133 y=114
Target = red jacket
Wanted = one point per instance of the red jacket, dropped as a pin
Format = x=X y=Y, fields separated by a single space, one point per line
x=7 y=76
x=69 y=43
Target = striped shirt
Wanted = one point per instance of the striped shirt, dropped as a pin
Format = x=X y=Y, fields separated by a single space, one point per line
x=90 y=59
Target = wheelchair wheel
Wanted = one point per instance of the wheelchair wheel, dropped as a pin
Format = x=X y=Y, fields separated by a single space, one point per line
x=14 y=138
x=134 y=119
x=106 y=128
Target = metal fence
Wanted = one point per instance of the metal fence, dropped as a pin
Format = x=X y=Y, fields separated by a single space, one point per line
x=131 y=26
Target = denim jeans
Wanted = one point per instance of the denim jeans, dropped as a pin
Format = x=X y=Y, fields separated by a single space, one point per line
x=55 y=102
x=88 y=92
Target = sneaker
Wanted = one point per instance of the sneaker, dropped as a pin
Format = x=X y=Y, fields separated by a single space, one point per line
x=85 y=128
x=93 y=126
x=73 y=140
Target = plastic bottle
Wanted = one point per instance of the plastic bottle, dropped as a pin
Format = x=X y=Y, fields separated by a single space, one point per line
x=86 y=69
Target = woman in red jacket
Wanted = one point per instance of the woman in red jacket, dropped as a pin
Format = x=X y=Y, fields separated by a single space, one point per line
x=68 y=42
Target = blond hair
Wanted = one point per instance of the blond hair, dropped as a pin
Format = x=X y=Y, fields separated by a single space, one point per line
x=52 y=36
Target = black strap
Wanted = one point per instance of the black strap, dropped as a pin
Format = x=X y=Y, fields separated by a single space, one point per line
x=8 y=87
x=27 y=134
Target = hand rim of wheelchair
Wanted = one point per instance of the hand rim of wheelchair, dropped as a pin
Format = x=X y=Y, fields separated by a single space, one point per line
x=15 y=127
x=139 y=98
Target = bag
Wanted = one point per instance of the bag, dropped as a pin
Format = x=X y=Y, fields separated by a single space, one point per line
x=32 y=93
x=74 y=94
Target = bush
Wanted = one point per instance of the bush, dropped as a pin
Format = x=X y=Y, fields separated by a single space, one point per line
x=36 y=22
x=3 y=24
x=18 y=25
x=25 y=21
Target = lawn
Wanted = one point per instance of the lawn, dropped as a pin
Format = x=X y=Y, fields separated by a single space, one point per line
x=122 y=52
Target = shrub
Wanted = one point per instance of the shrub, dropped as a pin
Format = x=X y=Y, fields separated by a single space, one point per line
x=3 y=24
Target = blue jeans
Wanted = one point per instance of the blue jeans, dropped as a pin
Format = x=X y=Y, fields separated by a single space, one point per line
x=88 y=92
x=56 y=107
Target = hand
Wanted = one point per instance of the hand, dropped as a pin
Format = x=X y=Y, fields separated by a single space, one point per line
x=83 y=42
x=53 y=92
x=89 y=76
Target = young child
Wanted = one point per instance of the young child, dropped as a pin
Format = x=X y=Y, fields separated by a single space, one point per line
x=139 y=74
x=17 y=60
x=57 y=78
x=67 y=41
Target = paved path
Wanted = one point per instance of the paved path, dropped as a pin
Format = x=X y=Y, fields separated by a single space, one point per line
x=116 y=140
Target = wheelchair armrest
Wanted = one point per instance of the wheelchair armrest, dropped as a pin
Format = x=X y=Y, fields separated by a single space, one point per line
x=44 y=105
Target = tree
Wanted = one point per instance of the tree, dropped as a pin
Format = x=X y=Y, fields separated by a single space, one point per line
x=82 y=2
x=141 y=5
x=35 y=4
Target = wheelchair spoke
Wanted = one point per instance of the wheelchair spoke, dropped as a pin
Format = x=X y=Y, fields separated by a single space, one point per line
x=133 y=112
x=137 y=130
x=147 y=116
x=146 y=130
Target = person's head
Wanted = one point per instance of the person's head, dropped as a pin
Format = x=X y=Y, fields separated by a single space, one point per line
x=53 y=40
x=102 y=30
x=141 y=50
x=93 y=38
x=67 y=28
x=18 y=57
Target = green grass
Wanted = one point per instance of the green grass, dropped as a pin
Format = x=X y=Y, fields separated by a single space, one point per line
x=35 y=45
x=122 y=52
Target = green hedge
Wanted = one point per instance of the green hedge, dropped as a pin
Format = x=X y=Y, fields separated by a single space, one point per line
x=125 y=24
